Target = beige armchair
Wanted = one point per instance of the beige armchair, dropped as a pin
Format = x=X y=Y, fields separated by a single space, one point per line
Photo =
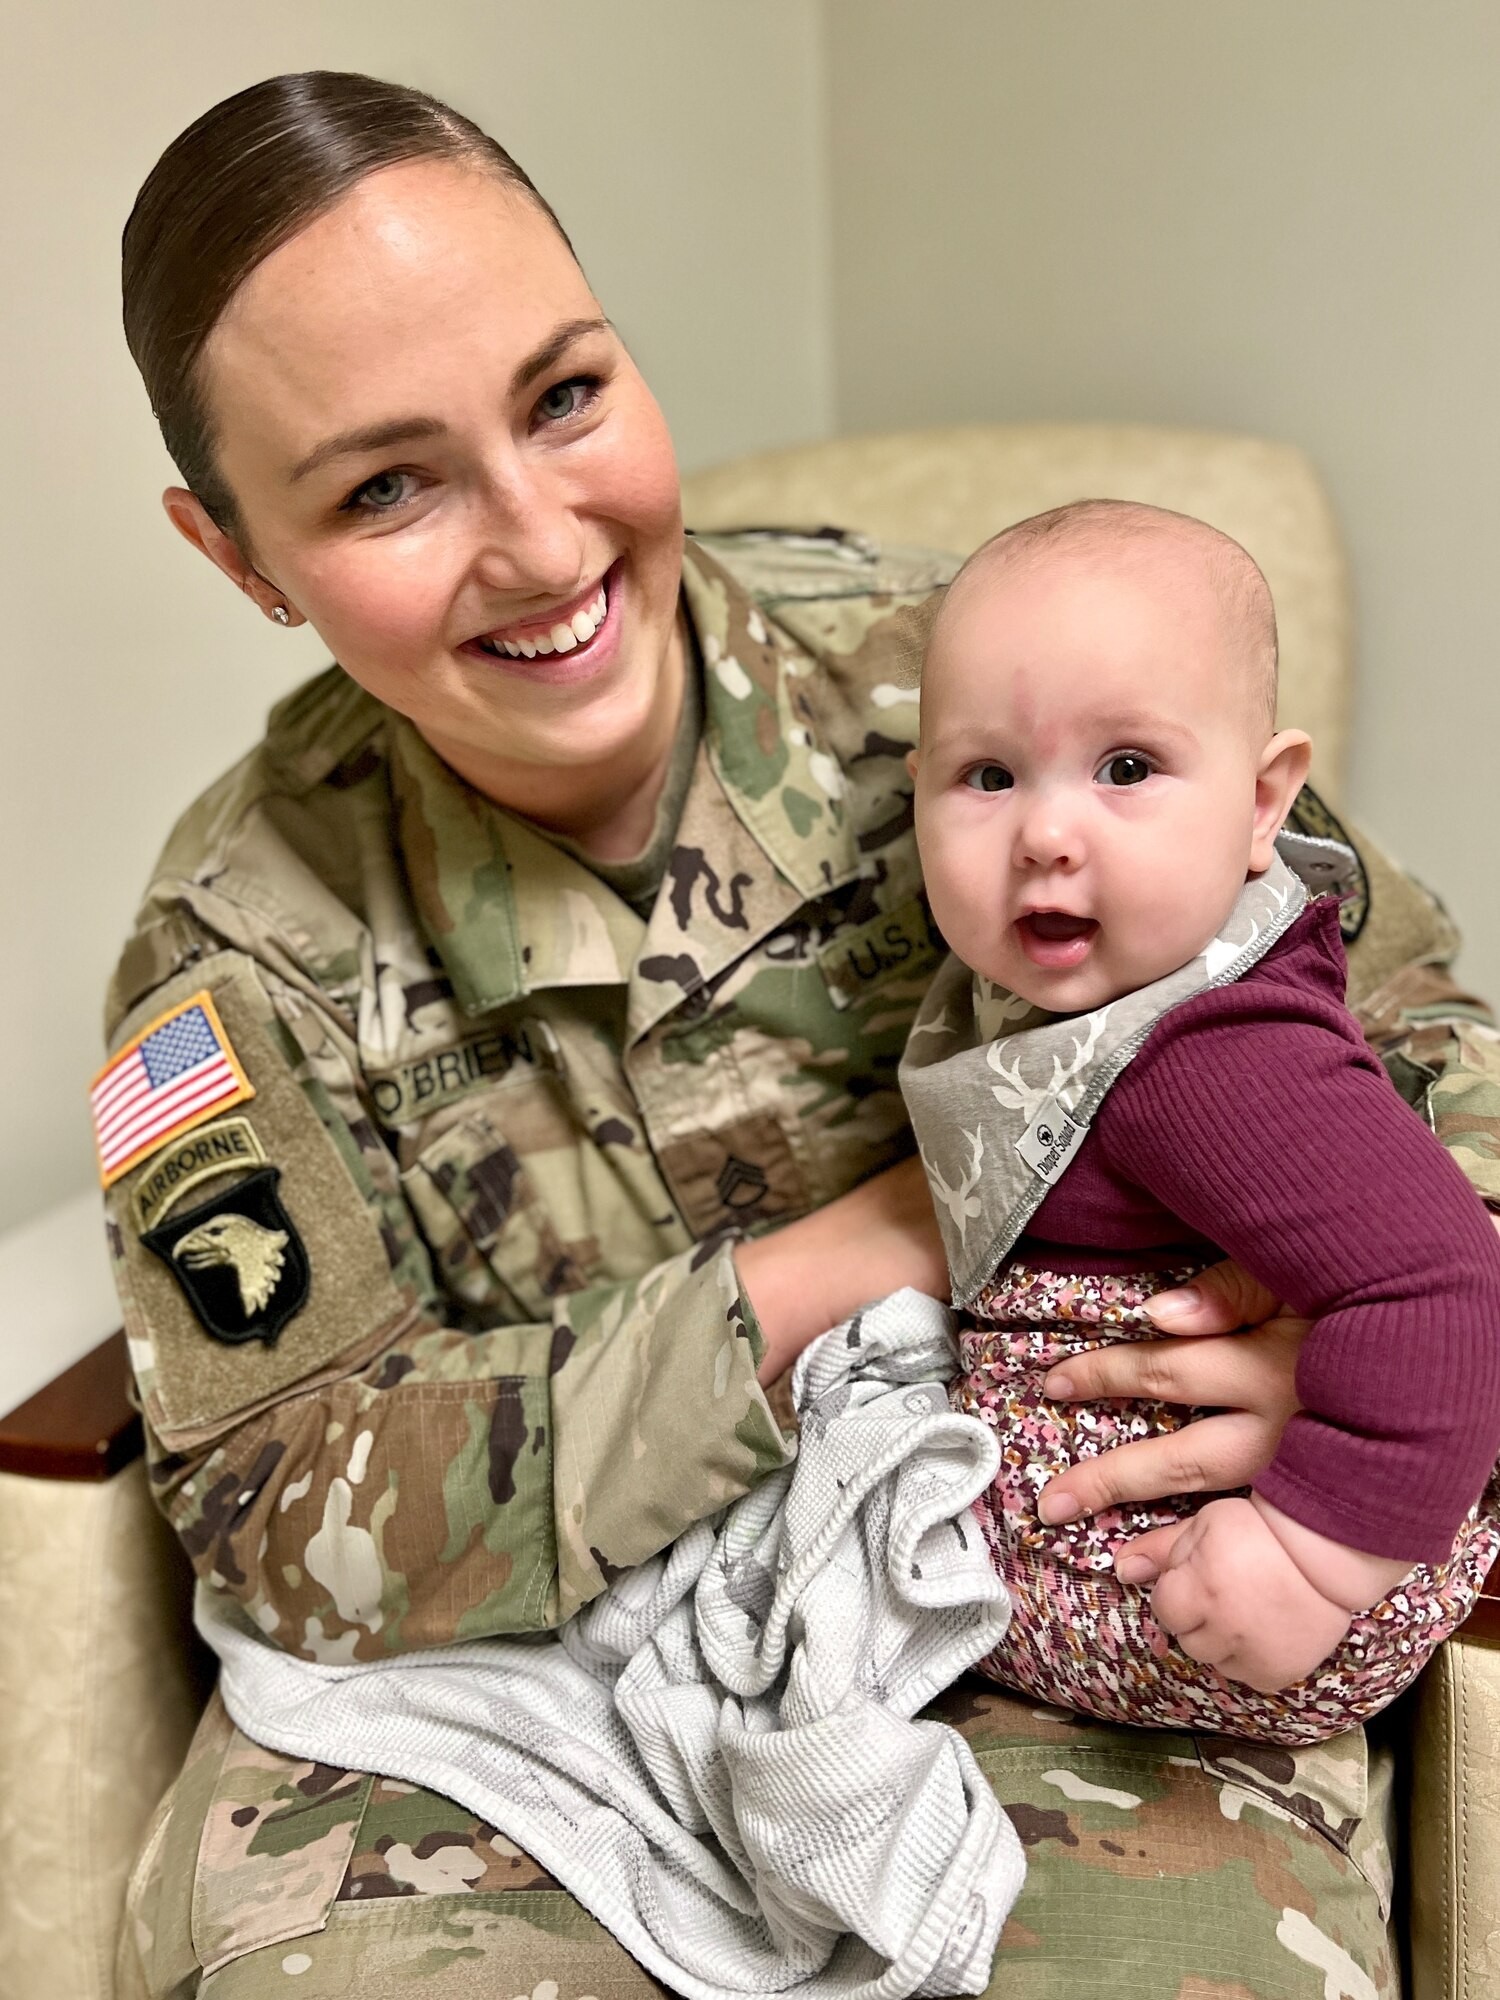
x=102 y=1683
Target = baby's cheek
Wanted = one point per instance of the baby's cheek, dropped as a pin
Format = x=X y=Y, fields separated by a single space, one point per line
x=1174 y=909
x=972 y=925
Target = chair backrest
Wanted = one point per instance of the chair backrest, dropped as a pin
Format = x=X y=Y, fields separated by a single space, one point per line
x=951 y=488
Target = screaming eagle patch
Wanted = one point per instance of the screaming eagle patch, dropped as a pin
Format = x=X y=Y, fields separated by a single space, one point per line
x=239 y=1259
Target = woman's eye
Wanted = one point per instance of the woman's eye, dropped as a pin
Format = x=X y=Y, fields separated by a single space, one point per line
x=386 y=493
x=567 y=399
x=989 y=778
x=1129 y=768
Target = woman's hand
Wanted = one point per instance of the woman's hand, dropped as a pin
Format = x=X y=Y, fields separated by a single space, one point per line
x=1249 y=1375
x=805 y=1278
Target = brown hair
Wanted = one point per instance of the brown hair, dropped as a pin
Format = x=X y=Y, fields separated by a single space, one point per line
x=238 y=183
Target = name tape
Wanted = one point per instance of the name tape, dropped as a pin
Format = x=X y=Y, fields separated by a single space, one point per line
x=427 y=1083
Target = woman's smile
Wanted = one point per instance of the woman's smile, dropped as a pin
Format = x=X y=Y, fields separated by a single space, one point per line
x=564 y=644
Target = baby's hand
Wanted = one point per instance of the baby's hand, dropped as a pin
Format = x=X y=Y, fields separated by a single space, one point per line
x=1232 y=1596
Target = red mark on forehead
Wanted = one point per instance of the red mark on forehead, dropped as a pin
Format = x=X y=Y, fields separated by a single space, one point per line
x=1032 y=713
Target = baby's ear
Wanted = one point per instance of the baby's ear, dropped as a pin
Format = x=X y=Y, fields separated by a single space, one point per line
x=911 y=765
x=1279 y=777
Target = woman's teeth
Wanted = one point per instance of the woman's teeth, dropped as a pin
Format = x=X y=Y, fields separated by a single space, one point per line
x=562 y=638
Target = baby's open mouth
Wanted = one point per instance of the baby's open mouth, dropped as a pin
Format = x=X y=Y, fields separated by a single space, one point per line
x=1055 y=938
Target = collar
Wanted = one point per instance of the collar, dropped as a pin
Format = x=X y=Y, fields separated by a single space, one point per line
x=511 y=914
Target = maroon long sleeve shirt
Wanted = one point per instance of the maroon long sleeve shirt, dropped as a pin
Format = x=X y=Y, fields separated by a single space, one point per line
x=1255 y=1121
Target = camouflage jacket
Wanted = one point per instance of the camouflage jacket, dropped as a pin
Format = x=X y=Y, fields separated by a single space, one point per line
x=424 y=1237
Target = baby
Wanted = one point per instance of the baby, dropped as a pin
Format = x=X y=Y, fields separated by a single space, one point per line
x=1138 y=1060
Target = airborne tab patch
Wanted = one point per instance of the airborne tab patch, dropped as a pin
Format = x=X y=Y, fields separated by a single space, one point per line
x=211 y=1150
x=239 y=1259
x=175 y=1074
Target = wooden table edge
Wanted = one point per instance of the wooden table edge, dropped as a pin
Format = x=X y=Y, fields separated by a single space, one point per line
x=79 y=1426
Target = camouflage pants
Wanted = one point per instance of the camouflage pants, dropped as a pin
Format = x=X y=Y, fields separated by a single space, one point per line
x=1160 y=1867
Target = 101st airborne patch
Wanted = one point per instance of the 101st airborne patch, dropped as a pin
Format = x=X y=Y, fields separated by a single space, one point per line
x=239 y=1259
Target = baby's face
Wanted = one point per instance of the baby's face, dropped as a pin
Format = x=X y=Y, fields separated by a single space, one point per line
x=1090 y=791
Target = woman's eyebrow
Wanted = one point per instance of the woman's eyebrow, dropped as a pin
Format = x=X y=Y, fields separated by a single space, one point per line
x=369 y=437
x=553 y=348
x=406 y=430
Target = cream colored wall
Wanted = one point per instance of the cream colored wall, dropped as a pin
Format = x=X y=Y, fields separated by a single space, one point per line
x=1257 y=214
x=682 y=143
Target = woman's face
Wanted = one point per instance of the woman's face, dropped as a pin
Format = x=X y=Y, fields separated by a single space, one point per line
x=446 y=461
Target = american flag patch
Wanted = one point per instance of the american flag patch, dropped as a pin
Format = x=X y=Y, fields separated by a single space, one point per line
x=175 y=1074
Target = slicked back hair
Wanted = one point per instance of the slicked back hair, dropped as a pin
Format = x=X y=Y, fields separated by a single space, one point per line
x=237 y=184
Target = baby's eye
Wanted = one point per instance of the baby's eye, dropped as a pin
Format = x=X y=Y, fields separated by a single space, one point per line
x=989 y=778
x=1129 y=767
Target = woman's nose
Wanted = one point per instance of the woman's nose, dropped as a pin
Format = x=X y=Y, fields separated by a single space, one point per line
x=529 y=540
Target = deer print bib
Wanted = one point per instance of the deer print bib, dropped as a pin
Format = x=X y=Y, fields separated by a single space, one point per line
x=1001 y=1093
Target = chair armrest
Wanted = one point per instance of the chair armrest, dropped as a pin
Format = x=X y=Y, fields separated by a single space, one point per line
x=1452 y=1825
x=103 y=1678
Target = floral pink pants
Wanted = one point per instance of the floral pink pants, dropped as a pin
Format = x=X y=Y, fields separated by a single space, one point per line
x=1078 y=1637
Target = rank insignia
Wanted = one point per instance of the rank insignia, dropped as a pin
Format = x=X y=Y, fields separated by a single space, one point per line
x=239 y=1259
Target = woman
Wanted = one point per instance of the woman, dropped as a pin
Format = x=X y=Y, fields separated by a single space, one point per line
x=502 y=1087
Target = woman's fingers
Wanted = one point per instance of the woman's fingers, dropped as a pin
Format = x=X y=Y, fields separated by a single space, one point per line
x=1219 y=1300
x=1212 y=1455
x=1249 y=1371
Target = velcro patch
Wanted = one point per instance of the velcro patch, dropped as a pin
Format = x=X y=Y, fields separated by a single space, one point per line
x=211 y=1150
x=899 y=940
x=285 y=1289
x=174 y=1075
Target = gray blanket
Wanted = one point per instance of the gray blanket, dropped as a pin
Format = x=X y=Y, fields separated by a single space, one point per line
x=718 y=1757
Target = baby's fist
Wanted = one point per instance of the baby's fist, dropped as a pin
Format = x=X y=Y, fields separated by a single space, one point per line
x=1233 y=1599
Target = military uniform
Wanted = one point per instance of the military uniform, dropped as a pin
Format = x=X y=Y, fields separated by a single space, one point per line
x=427 y=1154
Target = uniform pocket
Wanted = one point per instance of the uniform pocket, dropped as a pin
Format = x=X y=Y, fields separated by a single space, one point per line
x=499 y=1249
x=1342 y=1789
x=275 y=1845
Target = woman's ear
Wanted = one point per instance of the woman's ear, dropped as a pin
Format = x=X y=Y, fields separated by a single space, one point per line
x=1279 y=777
x=193 y=522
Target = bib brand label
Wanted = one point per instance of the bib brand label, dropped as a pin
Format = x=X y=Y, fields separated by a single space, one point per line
x=1049 y=1141
x=899 y=940
x=212 y=1149
x=427 y=1083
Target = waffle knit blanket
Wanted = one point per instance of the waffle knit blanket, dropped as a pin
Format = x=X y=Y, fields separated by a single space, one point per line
x=719 y=1756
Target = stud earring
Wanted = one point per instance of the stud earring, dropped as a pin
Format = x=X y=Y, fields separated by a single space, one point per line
x=280 y=613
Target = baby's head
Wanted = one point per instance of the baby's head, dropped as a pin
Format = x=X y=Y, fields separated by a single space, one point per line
x=1099 y=769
